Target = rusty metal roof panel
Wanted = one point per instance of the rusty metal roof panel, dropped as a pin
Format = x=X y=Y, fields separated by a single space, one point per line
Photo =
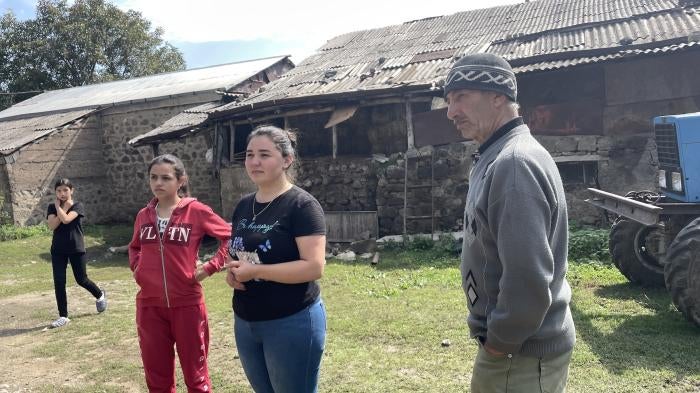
x=14 y=134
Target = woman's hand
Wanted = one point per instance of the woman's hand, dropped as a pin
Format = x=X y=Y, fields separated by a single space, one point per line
x=244 y=271
x=231 y=277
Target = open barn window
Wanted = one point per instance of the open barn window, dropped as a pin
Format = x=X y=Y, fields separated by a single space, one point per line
x=313 y=139
x=238 y=138
x=578 y=172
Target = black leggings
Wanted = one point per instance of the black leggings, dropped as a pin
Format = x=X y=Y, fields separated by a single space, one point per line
x=59 y=263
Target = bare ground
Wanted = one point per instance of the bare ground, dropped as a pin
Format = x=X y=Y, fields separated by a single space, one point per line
x=25 y=329
x=28 y=365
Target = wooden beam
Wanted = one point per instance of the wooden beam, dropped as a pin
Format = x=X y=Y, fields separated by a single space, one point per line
x=215 y=148
x=335 y=142
x=396 y=100
x=308 y=111
x=154 y=148
x=232 y=141
x=298 y=112
x=409 y=126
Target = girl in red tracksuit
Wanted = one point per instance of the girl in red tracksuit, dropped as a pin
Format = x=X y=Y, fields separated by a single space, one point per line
x=170 y=310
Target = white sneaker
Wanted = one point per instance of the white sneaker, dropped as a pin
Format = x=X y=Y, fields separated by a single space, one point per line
x=101 y=303
x=62 y=321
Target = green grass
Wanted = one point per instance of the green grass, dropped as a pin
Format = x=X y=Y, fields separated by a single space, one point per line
x=385 y=327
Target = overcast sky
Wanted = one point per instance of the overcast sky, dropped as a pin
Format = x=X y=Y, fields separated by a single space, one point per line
x=213 y=32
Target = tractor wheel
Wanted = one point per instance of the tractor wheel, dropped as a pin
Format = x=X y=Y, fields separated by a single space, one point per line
x=682 y=271
x=634 y=250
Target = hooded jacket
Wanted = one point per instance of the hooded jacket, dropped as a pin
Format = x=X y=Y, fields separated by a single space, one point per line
x=164 y=267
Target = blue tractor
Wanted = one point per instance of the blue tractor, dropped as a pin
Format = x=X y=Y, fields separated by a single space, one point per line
x=655 y=238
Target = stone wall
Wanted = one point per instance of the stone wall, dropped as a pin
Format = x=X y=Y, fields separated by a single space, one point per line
x=343 y=184
x=624 y=163
x=5 y=196
x=435 y=192
x=74 y=153
x=126 y=166
x=235 y=184
x=203 y=184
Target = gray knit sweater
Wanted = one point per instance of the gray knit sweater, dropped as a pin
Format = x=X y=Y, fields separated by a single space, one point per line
x=514 y=255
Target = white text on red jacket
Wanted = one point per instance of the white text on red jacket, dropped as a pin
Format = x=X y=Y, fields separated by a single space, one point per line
x=175 y=234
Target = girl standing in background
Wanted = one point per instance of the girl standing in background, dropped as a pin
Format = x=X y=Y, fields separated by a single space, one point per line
x=64 y=217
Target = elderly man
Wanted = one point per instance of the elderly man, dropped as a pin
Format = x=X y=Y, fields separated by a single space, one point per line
x=515 y=237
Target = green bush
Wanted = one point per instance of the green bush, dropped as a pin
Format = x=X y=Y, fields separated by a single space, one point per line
x=12 y=232
x=588 y=244
x=4 y=215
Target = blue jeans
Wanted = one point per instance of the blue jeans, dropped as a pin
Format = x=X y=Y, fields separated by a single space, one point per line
x=283 y=355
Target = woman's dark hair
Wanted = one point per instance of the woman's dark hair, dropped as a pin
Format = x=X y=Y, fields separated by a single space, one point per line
x=63 y=182
x=178 y=168
x=285 y=141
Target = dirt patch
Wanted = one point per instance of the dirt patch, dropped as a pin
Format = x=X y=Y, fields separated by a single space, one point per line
x=22 y=330
x=25 y=334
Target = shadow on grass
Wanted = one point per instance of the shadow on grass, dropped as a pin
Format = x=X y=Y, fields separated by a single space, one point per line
x=18 y=331
x=22 y=330
x=658 y=339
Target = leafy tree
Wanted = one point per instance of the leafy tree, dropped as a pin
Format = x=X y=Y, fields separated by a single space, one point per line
x=90 y=41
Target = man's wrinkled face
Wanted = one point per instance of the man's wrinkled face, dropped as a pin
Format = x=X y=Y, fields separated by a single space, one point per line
x=473 y=112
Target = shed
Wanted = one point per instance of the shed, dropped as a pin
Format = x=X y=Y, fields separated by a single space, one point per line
x=81 y=133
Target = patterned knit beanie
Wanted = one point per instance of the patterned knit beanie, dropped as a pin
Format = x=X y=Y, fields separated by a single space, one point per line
x=482 y=71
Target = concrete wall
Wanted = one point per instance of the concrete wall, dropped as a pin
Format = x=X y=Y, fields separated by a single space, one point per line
x=74 y=153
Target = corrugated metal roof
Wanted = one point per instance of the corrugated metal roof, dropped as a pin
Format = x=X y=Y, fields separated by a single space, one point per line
x=557 y=64
x=177 y=125
x=139 y=89
x=16 y=133
x=644 y=30
x=393 y=56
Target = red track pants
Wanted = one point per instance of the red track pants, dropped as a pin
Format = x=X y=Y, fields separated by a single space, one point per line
x=187 y=329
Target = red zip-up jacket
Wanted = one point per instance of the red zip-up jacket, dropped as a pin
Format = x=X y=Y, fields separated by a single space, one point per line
x=164 y=266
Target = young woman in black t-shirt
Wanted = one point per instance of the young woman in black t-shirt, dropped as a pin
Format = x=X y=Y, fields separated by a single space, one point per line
x=278 y=252
x=67 y=244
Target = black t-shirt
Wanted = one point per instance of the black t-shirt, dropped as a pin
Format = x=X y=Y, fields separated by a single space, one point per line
x=68 y=238
x=272 y=236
